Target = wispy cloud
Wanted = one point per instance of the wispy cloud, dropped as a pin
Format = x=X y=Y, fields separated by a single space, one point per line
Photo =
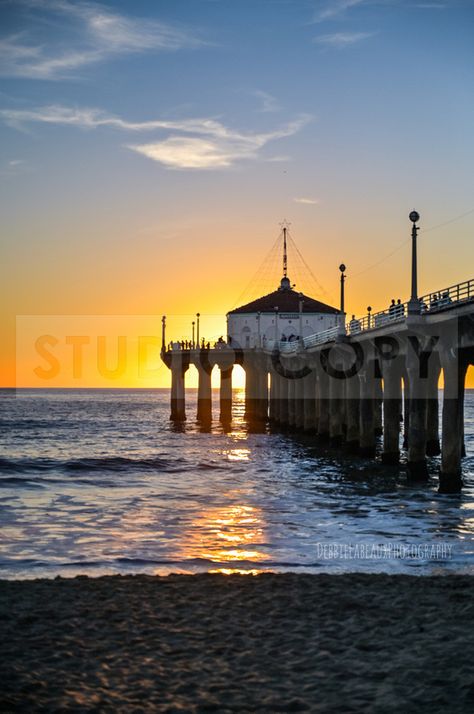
x=339 y=9
x=307 y=201
x=278 y=159
x=13 y=167
x=340 y=40
x=197 y=143
x=97 y=34
x=32 y=62
x=431 y=5
x=221 y=148
x=269 y=103
x=92 y=118
x=335 y=8
x=115 y=32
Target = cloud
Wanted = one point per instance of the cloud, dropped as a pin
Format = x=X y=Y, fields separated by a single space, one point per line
x=335 y=8
x=97 y=35
x=213 y=152
x=269 y=103
x=119 y=33
x=91 y=118
x=197 y=143
x=307 y=201
x=339 y=40
x=13 y=167
x=21 y=60
x=278 y=159
x=191 y=153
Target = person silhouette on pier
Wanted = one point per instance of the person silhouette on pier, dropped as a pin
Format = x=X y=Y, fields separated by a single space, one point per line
x=354 y=325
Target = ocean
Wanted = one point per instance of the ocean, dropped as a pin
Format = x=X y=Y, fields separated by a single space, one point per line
x=100 y=482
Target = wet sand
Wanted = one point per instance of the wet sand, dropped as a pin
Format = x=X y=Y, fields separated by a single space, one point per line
x=211 y=643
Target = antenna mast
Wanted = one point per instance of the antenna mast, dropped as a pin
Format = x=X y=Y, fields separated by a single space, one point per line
x=285 y=225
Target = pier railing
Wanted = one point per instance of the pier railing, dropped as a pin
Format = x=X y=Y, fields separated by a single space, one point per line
x=310 y=341
x=321 y=337
x=393 y=314
x=429 y=304
x=271 y=345
x=443 y=299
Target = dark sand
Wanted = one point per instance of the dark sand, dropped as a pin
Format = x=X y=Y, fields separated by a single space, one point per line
x=211 y=643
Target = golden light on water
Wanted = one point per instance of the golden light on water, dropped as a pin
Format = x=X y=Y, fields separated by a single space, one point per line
x=227 y=534
x=237 y=571
x=238 y=455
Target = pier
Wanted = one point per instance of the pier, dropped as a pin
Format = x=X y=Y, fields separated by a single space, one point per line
x=369 y=378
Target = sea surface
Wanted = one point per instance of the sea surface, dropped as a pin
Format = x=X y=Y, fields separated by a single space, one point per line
x=99 y=481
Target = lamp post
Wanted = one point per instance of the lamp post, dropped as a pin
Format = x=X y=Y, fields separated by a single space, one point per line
x=258 y=329
x=300 y=310
x=192 y=342
x=276 y=326
x=414 y=303
x=163 y=333
x=198 y=315
x=342 y=268
x=369 y=310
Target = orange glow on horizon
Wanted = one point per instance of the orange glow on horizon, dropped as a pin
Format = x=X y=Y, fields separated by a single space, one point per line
x=211 y=279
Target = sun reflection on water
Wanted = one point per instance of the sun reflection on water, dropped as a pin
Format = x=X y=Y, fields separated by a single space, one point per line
x=238 y=571
x=238 y=455
x=227 y=535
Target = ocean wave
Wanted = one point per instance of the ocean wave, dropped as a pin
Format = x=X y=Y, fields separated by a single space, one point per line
x=44 y=423
x=107 y=463
x=9 y=481
x=131 y=562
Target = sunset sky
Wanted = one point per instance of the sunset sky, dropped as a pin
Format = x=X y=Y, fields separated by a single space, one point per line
x=151 y=149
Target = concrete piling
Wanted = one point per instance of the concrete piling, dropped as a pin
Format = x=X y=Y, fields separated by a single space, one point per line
x=309 y=398
x=204 y=406
x=392 y=405
x=454 y=369
x=352 y=414
x=417 y=466
x=225 y=396
x=367 y=413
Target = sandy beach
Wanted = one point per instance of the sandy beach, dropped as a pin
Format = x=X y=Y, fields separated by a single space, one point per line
x=272 y=643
